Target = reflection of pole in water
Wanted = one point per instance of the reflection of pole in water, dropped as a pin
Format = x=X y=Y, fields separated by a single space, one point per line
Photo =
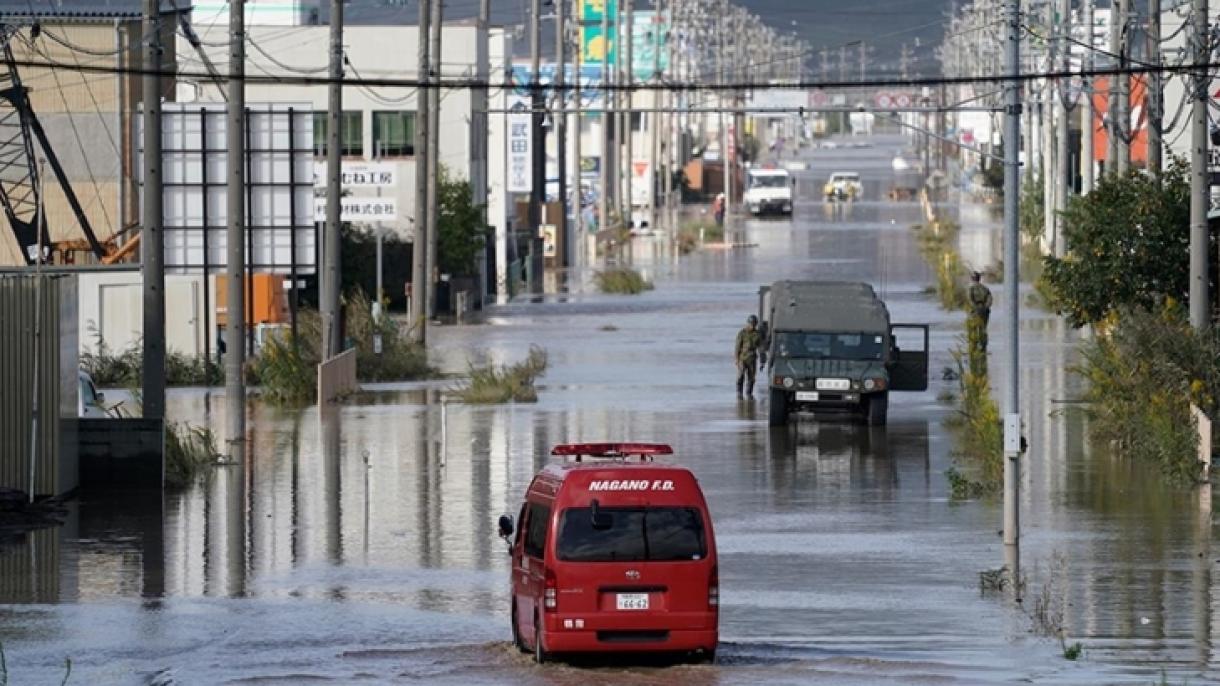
x=1201 y=580
x=330 y=429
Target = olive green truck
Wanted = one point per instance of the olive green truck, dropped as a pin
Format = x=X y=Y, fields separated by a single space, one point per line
x=831 y=348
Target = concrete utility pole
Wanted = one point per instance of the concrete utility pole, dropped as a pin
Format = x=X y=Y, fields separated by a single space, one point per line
x=576 y=240
x=1088 y=114
x=628 y=167
x=1063 y=130
x=1125 y=130
x=561 y=132
x=654 y=120
x=1012 y=299
x=435 y=62
x=1113 y=130
x=153 y=238
x=1155 y=89
x=235 y=237
x=538 y=148
x=607 y=119
x=331 y=279
x=1200 y=302
x=419 y=246
x=1049 y=168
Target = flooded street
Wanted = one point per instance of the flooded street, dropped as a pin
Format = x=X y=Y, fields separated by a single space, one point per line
x=358 y=545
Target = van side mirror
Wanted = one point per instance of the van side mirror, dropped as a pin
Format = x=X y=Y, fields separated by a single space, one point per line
x=100 y=398
x=506 y=527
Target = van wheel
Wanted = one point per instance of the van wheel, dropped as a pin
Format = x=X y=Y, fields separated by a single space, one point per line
x=705 y=657
x=878 y=409
x=540 y=655
x=520 y=644
x=777 y=412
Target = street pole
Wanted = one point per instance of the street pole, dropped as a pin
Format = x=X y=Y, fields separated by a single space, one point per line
x=419 y=244
x=435 y=63
x=1063 y=130
x=607 y=117
x=153 y=233
x=721 y=72
x=1113 y=131
x=1123 y=120
x=561 y=132
x=1088 y=114
x=577 y=239
x=1154 y=89
x=628 y=167
x=1012 y=417
x=654 y=121
x=330 y=283
x=538 y=148
x=1049 y=168
x=1199 y=177
x=235 y=238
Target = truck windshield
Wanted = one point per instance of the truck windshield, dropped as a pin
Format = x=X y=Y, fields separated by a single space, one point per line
x=634 y=534
x=769 y=181
x=837 y=346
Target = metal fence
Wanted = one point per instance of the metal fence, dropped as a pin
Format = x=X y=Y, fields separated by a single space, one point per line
x=38 y=341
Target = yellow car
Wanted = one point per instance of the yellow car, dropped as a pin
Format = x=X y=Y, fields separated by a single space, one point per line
x=843 y=186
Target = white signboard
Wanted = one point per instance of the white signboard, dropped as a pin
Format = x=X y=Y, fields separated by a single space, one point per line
x=520 y=147
x=641 y=183
x=360 y=175
x=282 y=236
x=360 y=210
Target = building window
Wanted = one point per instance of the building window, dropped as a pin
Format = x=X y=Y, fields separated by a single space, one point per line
x=393 y=134
x=352 y=132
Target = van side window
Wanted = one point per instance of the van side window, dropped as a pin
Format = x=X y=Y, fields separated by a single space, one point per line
x=535 y=537
x=520 y=525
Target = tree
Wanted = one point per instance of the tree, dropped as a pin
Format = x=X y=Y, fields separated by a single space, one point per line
x=460 y=227
x=1128 y=246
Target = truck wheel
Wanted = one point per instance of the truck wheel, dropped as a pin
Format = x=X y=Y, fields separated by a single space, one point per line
x=878 y=409
x=540 y=655
x=778 y=410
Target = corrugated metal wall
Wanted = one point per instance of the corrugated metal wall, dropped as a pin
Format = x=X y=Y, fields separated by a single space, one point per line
x=29 y=570
x=57 y=369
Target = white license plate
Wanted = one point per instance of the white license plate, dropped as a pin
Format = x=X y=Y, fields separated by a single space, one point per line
x=632 y=601
x=806 y=397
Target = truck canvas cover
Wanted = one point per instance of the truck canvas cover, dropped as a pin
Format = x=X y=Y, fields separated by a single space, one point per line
x=826 y=306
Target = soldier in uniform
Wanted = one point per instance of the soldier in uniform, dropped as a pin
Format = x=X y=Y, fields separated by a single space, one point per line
x=749 y=342
x=980 y=307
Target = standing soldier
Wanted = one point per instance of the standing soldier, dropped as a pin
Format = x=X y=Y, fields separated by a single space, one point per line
x=980 y=305
x=749 y=341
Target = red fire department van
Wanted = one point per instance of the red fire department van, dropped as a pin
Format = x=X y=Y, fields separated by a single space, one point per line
x=613 y=552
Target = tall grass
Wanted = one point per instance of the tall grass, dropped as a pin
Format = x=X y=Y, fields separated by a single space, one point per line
x=694 y=232
x=189 y=450
x=622 y=280
x=937 y=242
x=490 y=383
x=111 y=368
x=1144 y=371
x=980 y=450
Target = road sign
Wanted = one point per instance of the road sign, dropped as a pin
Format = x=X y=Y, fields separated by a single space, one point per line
x=520 y=140
x=818 y=98
x=884 y=101
x=903 y=100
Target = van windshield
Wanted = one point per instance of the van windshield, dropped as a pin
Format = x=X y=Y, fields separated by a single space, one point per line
x=634 y=534
x=768 y=181
x=837 y=346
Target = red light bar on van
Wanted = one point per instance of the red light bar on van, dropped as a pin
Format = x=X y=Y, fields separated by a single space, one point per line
x=579 y=450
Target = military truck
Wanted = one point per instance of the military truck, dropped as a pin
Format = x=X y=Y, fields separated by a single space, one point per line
x=831 y=348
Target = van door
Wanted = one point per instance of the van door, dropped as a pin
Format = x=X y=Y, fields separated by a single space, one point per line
x=909 y=362
x=532 y=569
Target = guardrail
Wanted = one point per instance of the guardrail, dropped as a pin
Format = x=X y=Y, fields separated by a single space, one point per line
x=337 y=377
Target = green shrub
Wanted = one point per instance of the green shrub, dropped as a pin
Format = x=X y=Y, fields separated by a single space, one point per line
x=622 y=280
x=1142 y=378
x=110 y=369
x=285 y=373
x=978 y=423
x=937 y=243
x=188 y=451
x=490 y=383
x=696 y=231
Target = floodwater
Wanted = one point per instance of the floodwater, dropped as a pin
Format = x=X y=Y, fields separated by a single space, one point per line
x=358 y=545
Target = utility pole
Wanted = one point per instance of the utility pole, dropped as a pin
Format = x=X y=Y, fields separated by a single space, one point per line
x=1125 y=131
x=561 y=132
x=435 y=63
x=1012 y=299
x=1154 y=88
x=721 y=92
x=538 y=148
x=235 y=238
x=654 y=119
x=628 y=167
x=1088 y=115
x=419 y=244
x=1049 y=168
x=863 y=60
x=331 y=280
x=577 y=239
x=1200 y=302
x=1114 y=130
x=1063 y=129
x=153 y=237
x=607 y=122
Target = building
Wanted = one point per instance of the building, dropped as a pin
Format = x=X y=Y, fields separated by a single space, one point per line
x=87 y=115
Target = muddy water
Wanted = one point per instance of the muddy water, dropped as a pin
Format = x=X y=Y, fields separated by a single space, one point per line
x=358 y=545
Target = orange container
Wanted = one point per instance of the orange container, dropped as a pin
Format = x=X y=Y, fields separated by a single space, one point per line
x=270 y=305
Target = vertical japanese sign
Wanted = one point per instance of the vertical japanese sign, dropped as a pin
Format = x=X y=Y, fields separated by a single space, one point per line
x=520 y=146
x=593 y=45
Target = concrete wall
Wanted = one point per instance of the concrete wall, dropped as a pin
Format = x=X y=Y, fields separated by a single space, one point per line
x=112 y=305
x=121 y=452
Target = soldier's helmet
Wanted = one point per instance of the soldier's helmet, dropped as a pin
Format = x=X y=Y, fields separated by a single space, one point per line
x=752 y=319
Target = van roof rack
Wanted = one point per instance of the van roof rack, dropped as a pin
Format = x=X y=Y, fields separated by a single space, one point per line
x=611 y=450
